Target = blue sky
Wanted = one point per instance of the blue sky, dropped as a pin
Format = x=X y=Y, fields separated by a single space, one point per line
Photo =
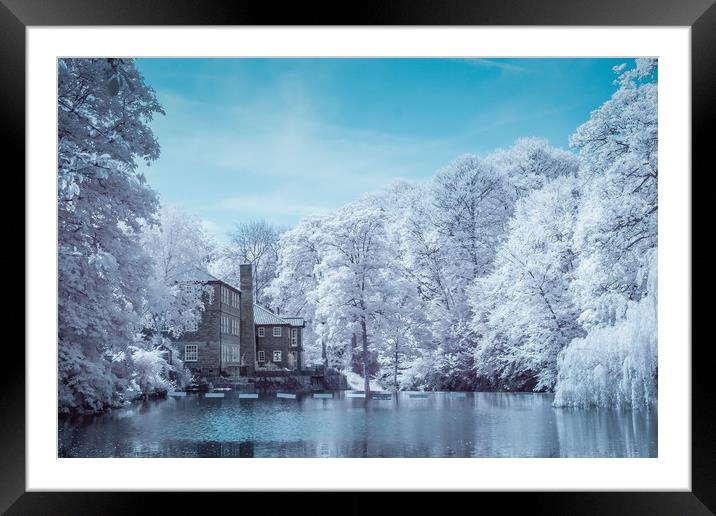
x=280 y=139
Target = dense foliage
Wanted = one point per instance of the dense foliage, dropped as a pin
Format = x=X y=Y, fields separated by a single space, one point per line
x=522 y=270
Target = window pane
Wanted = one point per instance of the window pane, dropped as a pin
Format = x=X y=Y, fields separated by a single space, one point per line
x=191 y=352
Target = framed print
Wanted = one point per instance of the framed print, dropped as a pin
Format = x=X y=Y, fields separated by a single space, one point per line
x=424 y=248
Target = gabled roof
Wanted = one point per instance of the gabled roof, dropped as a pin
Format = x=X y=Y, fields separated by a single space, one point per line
x=264 y=316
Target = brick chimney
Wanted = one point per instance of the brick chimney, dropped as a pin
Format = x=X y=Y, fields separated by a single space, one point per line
x=248 y=331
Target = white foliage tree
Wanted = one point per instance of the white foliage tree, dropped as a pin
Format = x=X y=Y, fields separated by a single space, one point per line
x=452 y=238
x=615 y=366
x=297 y=277
x=456 y=235
x=523 y=311
x=181 y=250
x=617 y=222
x=355 y=288
x=255 y=242
x=104 y=107
x=616 y=236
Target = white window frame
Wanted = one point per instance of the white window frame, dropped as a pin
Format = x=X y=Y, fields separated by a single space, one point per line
x=234 y=353
x=262 y=331
x=277 y=331
x=194 y=353
x=294 y=336
x=276 y=352
x=262 y=356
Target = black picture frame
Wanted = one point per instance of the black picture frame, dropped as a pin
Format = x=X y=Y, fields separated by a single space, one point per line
x=700 y=15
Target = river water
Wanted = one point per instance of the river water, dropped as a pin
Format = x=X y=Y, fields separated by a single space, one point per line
x=403 y=425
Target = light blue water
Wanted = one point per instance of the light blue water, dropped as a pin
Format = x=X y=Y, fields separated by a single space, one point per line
x=441 y=425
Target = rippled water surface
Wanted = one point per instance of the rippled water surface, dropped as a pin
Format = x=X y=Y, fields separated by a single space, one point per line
x=439 y=425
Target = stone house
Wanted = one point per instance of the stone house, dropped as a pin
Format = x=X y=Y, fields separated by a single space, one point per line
x=231 y=338
x=279 y=340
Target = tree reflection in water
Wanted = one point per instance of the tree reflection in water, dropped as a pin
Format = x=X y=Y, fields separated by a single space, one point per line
x=476 y=425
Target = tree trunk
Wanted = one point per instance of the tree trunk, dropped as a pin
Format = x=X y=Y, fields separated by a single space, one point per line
x=324 y=355
x=364 y=335
x=354 y=352
x=395 y=370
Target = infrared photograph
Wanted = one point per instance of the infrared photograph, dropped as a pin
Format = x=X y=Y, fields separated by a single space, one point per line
x=357 y=257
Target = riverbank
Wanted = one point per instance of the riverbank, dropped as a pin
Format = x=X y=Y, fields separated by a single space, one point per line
x=357 y=383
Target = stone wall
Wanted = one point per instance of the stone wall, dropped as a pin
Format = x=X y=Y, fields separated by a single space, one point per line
x=208 y=354
x=299 y=346
x=208 y=328
x=300 y=383
x=209 y=339
x=286 y=383
x=268 y=344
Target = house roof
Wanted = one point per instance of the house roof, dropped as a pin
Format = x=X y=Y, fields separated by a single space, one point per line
x=264 y=316
x=295 y=321
x=198 y=274
x=205 y=276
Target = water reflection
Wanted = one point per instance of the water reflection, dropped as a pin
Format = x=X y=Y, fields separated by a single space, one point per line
x=589 y=433
x=477 y=425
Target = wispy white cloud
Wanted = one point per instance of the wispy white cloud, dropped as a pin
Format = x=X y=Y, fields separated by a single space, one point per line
x=494 y=63
x=281 y=153
x=279 y=157
x=269 y=205
x=279 y=139
x=514 y=114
